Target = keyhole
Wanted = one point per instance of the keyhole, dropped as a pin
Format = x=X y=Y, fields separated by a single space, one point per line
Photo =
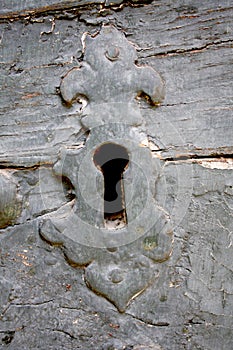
x=112 y=160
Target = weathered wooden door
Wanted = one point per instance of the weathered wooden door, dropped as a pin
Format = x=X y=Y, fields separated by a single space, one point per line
x=116 y=175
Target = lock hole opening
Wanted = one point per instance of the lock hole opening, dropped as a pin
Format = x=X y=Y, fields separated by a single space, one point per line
x=113 y=159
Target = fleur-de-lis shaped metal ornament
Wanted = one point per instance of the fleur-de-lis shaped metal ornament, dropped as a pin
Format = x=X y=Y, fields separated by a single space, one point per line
x=120 y=261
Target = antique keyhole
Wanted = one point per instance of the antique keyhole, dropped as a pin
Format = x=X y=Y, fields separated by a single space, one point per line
x=112 y=160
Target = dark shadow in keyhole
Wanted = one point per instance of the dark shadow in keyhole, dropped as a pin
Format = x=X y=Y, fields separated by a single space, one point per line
x=112 y=160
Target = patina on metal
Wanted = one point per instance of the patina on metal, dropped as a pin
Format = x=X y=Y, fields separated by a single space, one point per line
x=123 y=260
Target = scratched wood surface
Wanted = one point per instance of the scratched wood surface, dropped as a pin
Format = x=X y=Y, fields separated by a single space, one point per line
x=44 y=301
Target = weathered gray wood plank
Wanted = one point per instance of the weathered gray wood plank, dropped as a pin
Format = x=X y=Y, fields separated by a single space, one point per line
x=191 y=304
x=198 y=104
x=177 y=26
x=196 y=116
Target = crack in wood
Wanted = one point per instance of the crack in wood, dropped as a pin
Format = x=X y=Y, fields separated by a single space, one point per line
x=149 y=323
x=194 y=157
x=72 y=9
x=192 y=50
